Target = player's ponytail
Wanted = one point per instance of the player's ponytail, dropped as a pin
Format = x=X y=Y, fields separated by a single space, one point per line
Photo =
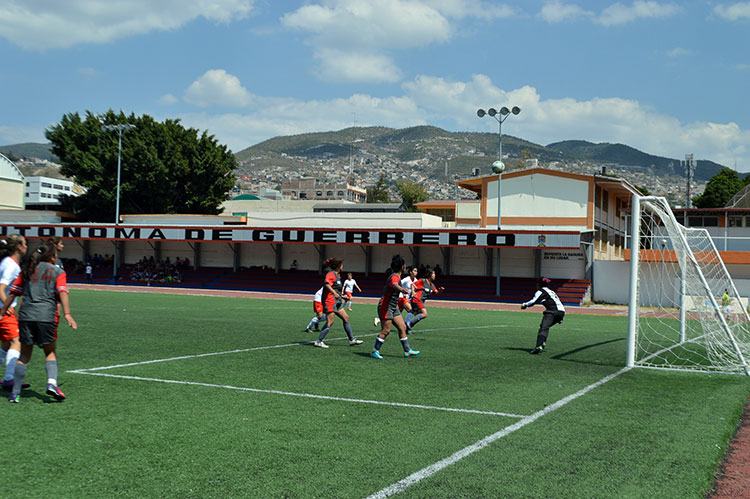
x=543 y=282
x=397 y=263
x=44 y=253
x=332 y=263
x=425 y=271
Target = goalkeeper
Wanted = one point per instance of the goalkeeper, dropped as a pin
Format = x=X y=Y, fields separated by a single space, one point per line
x=554 y=312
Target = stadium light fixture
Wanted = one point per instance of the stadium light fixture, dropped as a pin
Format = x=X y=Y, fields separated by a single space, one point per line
x=498 y=166
x=108 y=128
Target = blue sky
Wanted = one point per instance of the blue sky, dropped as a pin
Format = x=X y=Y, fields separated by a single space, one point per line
x=668 y=78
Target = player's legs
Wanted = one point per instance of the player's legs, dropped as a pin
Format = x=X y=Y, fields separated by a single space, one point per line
x=50 y=352
x=410 y=323
x=20 y=371
x=398 y=321
x=548 y=319
x=330 y=317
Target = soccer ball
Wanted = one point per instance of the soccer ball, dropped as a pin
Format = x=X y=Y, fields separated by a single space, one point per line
x=376 y=321
x=498 y=167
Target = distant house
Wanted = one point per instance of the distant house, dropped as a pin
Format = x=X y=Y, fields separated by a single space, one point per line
x=45 y=192
x=313 y=189
x=12 y=186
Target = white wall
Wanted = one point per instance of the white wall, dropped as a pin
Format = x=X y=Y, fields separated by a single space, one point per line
x=539 y=195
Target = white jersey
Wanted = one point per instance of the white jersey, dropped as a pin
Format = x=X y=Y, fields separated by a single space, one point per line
x=349 y=285
x=318 y=296
x=9 y=271
x=406 y=283
x=548 y=298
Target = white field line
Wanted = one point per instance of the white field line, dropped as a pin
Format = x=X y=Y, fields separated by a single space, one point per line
x=305 y=395
x=430 y=470
x=242 y=350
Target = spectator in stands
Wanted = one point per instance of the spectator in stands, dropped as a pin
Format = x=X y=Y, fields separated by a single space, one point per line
x=438 y=271
x=293 y=267
x=89 y=272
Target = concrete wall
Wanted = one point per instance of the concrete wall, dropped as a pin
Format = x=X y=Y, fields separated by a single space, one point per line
x=540 y=196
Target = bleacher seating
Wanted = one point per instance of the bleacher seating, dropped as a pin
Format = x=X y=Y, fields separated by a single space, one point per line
x=466 y=288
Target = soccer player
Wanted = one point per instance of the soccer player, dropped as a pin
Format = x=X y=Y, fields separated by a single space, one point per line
x=318 y=309
x=389 y=312
x=423 y=288
x=726 y=304
x=42 y=285
x=12 y=249
x=333 y=303
x=554 y=312
x=349 y=286
x=404 y=299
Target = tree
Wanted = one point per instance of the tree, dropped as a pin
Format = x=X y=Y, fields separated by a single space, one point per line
x=411 y=194
x=166 y=168
x=643 y=190
x=719 y=190
x=379 y=193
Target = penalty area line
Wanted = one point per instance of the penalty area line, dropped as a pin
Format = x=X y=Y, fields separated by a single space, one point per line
x=305 y=395
x=430 y=470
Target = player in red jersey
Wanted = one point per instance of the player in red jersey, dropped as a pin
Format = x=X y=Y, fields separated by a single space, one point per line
x=389 y=313
x=423 y=288
x=333 y=303
x=42 y=285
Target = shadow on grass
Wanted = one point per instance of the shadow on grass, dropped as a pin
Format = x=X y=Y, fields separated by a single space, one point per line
x=561 y=356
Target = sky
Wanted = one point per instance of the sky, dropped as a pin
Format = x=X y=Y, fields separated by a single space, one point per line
x=668 y=78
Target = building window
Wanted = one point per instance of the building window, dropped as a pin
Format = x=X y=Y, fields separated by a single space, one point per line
x=58 y=187
x=735 y=221
x=46 y=184
x=67 y=188
x=319 y=193
x=27 y=184
x=329 y=193
x=27 y=194
x=341 y=193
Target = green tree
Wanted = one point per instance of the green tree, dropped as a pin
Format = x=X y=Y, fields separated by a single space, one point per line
x=643 y=190
x=411 y=194
x=379 y=193
x=166 y=168
x=719 y=189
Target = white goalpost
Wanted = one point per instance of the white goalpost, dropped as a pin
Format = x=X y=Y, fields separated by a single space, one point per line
x=684 y=310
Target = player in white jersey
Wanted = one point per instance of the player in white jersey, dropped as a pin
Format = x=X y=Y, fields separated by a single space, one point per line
x=12 y=249
x=318 y=309
x=349 y=286
x=404 y=299
x=554 y=312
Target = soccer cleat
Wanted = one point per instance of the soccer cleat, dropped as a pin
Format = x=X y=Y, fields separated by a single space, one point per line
x=8 y=385
x=411 y=353
x=55 y=392
x=537 y=350
x=308 y=330
x=355 y=341
x=376 y=321
x=320 y=344
x=14 y=399
x=375 y=355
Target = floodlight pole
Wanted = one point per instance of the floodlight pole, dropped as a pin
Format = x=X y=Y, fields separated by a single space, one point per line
x=108 y=128
x=504 y=113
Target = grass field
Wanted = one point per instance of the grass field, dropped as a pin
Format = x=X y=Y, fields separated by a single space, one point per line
x=241 y=406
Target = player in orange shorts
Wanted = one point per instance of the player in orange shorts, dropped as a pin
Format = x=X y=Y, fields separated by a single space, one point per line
x=12 y=249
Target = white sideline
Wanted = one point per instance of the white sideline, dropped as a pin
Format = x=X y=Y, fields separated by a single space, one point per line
x=430 y=470
x=305 y=395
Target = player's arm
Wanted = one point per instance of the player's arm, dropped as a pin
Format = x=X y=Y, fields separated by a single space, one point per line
x=357 y=286
x=62 y=295
x=533 y=301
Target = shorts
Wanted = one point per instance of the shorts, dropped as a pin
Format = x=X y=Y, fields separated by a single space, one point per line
x=348 y=294
x=331 y=306
x=401 y=303
x=318 y=307
x=386 y=312
x=417 y=305
x=9 y=327
x=37 y=333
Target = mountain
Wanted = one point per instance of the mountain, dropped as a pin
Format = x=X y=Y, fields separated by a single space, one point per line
x=465 y=150
x=28 y=150
x=623 y=155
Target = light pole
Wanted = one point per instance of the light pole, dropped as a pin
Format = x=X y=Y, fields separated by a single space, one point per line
x=498 y=166
x=108 y=128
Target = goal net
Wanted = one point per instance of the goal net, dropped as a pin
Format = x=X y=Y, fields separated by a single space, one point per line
x=685 y=312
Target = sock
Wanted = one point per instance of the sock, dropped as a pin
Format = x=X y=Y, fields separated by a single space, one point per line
x=18 y=378
x=348 y=329
x=378 y=343
x=313 y=321
x=10 y=366
x=51 y=366
x=415 y=319
x=405 y=344
x=323 y=332
x=408 y=317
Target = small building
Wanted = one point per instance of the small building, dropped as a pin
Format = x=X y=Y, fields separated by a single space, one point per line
x=12 y=186
x=312 y=189
x=45 y=192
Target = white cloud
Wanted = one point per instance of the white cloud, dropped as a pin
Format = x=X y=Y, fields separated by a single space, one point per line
x=362 y=32
x=679 y=52
x=452 y=105
x=622 y=14
x=556 y=12
x=217 y=88
x=88 y=72
x=167 y=100
x=733 y=12
x=47 y=24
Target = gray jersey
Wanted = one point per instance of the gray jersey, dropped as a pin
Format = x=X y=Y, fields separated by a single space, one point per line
x=40 y=293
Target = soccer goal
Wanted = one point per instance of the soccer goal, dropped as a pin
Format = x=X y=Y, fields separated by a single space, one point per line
x=684 y=312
